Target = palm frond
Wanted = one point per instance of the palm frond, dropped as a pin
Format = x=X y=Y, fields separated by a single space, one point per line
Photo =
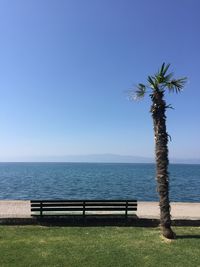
x=161 y=76
x=165 y=69
x=163 y=79
x=140 y=91
x=168 y=77
x=151 y=81
x=176 y=85
x=162 y=69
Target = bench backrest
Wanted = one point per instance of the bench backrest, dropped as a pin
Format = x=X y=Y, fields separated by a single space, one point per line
x=67 y=207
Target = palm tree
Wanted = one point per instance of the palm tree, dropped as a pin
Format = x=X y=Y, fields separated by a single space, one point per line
x=158 y=84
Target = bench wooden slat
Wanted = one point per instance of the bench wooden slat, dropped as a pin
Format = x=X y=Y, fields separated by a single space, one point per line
x=82 y=200
x=79 y=209
x=86 y=205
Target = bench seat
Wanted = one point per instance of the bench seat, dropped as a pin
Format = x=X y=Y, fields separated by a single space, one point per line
x=83 y=207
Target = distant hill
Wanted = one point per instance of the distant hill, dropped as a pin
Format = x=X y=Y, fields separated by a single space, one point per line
x=185 y=161
x=105 y=158
x=99 y=158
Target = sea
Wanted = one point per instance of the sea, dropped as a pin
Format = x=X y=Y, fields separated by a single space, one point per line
x=26 y=181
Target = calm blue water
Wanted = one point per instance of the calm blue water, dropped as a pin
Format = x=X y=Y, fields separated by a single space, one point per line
x=95 y=181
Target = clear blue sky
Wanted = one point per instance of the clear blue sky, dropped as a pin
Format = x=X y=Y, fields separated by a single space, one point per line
x=65 y=66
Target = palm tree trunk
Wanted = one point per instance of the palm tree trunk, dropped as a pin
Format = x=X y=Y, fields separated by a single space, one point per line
x=158 y=109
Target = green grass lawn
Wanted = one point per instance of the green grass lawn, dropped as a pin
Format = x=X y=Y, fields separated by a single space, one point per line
x=97 y=246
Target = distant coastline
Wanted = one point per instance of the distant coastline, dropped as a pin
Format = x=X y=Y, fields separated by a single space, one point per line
x=97 y=158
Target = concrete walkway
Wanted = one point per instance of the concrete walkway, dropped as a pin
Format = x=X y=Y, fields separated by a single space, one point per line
x=15 y=209
x=146 y=210
x=179 y=210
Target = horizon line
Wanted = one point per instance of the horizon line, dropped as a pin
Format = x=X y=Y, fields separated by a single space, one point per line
x=98 y=162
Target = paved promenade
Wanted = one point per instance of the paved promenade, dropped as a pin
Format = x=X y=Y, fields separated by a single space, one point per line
x=146 y=210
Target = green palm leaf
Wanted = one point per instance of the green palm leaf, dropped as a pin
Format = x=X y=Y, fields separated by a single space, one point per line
x=176 y=85
x=165 y=69
x=151 y=81
x=140 y=91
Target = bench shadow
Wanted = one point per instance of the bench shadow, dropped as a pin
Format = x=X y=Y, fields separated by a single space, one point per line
x=115 y=220
x=96 y=221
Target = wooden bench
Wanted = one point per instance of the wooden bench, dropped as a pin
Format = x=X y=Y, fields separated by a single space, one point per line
x=83 y=207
